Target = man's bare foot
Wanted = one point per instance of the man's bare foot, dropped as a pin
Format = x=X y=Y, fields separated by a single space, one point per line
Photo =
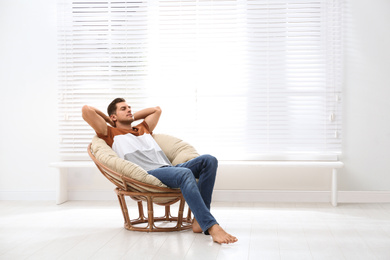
x=195 y=227
x=220 y=236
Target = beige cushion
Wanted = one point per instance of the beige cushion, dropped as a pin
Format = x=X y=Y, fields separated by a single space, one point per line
x=110 y=159
x=175 y=149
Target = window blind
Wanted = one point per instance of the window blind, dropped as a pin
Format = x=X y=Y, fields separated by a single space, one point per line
x=240 y=79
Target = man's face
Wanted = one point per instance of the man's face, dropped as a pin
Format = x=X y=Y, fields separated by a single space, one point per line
x=123 y=113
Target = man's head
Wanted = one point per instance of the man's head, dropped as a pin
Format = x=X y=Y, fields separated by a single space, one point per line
x=111 y=109
x=119 y=111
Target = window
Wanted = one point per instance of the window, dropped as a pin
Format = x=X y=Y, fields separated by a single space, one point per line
x=240 y=79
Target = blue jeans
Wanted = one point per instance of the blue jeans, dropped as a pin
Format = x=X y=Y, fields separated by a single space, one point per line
x=197 y=195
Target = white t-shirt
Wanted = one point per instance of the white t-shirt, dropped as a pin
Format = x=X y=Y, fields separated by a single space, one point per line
x=137 y=146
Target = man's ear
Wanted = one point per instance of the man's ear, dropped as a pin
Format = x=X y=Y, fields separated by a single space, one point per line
x=113 y=118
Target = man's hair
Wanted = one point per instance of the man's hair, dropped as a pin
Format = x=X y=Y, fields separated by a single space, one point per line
x=111 y=109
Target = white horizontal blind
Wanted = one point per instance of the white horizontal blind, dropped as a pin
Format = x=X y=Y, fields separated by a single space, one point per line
x=102 y=55
x=241 y=79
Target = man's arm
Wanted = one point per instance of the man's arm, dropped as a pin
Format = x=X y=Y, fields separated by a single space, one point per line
x=96 y=119
x=150 y=115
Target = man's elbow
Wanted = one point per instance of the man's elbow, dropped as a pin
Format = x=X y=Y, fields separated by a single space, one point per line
x=158 y=110
x=85 y=110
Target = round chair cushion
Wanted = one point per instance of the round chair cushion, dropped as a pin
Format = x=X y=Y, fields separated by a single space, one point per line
x=174 y=148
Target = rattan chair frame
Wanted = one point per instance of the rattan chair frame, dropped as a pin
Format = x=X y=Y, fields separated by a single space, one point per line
x=138 y=191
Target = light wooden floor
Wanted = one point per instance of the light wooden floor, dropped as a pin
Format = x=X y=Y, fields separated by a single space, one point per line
x=93 y=230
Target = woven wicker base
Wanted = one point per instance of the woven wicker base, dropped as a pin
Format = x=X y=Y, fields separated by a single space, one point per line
x=135 y=224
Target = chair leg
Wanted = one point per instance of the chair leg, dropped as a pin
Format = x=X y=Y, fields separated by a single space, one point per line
x=180 y=213
x=141 y=211
x=150 y=213
x=168 y=213
x=189 y=219
x=125 y=212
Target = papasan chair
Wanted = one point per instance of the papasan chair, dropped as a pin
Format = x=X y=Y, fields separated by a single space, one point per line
x=131 y=180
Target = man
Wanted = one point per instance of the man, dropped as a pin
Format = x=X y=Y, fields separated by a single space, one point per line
x=138 y=146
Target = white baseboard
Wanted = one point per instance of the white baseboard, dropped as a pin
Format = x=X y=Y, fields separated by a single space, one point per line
x=270 y=196
x=27 y=195
x=301 y=196
x=220 y=195
x=92 y=195
x=364 y=197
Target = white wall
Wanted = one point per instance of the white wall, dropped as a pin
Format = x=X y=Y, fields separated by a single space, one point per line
x=28 y=101
x=367 y=97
